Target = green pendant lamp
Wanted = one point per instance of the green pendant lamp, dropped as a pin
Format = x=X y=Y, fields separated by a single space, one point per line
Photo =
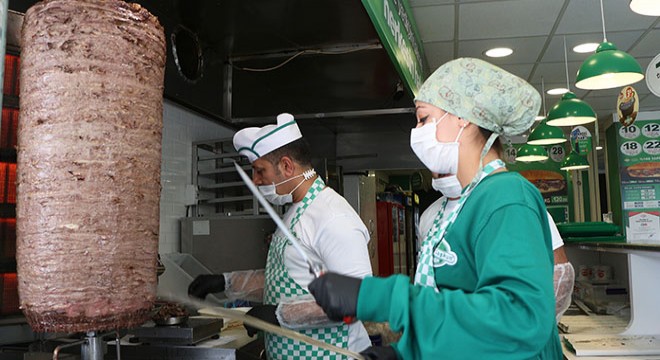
x=574 y=161
x=570 y=111
x=609 y=67
x=530 y=153
x=544 y=134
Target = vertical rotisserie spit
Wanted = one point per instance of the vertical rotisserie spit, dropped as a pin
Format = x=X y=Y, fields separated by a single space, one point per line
x=89 y=154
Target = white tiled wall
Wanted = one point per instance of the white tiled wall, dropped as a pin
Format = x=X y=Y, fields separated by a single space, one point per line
x=181 y=127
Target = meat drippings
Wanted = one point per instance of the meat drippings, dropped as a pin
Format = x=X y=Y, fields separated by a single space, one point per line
x=89 y=153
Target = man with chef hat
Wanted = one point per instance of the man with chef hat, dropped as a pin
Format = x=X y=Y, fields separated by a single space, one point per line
x=329 y=230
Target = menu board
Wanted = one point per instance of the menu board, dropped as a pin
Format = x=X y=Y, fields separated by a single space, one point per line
x=547 y=176
x=638 y=148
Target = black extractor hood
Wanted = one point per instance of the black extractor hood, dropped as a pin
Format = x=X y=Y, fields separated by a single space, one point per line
x=243 y=61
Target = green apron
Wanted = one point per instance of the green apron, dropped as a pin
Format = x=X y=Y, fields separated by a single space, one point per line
x=279 y=285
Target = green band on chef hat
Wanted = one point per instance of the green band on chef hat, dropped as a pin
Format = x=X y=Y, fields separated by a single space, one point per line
x=483 y=94
x=255 y=142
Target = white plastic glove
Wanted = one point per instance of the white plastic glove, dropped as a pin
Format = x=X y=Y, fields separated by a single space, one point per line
x=245 y=285
x=302 y=312
x=564 y=279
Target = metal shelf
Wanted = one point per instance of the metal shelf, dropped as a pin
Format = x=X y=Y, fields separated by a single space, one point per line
x=226 y=199
x=222 y=186
x=220 y=191
x=224 y=170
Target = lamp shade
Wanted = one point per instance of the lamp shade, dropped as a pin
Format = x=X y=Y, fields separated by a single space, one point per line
x=529 y=153
x=646 y=7
x=545 y=134
x=571 y=111
x=574 y=161
x=608 y=68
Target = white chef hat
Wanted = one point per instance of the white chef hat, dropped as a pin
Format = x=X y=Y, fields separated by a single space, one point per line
x=255 y=142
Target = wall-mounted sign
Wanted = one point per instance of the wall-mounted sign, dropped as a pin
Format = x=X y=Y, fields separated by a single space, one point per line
x=547 y=176
x=653 y=76
x=639 y=172
x=398 y=33
x=627 y=105
x=581 y=139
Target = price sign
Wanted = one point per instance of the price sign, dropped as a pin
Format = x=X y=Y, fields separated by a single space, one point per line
x=653 y=76
x=651 y=130
x=557 y=153
x=629 y=132
x=652 y=147
x=631 y=148
x=510 y=154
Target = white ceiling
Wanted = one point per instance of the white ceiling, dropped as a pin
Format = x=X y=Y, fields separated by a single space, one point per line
x=535 y=30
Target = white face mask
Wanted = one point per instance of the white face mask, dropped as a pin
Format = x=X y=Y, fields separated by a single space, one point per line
x=439 y=157
x=270 y=191
x=449 y=186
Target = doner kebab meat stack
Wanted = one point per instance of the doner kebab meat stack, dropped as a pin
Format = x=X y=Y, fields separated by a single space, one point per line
x=89 y=153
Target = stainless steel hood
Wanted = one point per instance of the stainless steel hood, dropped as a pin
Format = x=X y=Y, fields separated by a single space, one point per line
x=324 y=57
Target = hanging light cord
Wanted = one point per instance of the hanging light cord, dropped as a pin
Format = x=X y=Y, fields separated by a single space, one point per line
x=566 y=62
x=602 y=17
x=543 y=91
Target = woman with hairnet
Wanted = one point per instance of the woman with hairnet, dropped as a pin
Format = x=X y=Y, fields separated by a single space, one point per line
x=483 y=288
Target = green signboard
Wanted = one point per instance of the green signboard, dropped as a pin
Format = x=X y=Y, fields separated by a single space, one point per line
x=398 y=33
x=638 y=152
x=547 y=176
x=581 y=140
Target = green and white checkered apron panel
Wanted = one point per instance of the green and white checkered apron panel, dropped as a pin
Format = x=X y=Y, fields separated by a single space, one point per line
x=425 y=273
x=280 y=285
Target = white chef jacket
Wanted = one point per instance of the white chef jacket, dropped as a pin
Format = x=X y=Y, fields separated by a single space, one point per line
x=426 y=221
x=332 y=234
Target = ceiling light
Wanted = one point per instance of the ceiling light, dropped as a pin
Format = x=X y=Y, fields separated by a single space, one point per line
x=571 y=111
x=585 y=48
x=574 y=161
x=530 y=153
x=557 y=91
x=646 y=7
x=498 y=52
x=599 y=148
x=609 y=67
x=545 y=134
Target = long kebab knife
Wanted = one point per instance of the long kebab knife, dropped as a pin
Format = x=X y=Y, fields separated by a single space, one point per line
x=315 y=269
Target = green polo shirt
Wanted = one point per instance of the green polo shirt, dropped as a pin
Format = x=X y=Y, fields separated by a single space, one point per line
x=496 y=301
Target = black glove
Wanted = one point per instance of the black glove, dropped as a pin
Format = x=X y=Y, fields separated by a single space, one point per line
x=336 y=294
x=206 y=284
x=379 y=353
x=263 y=312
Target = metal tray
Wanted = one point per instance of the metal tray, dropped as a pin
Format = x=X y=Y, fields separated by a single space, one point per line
x=172 y=320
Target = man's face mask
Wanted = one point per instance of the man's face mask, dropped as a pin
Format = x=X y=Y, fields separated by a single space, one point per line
x=270 y=191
